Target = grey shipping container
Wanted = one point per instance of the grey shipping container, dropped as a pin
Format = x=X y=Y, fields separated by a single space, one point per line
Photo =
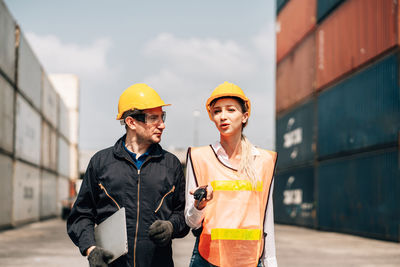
x=324 y=7
x=48 y=194
x=294 y=201
x=7 y=47
x=360 y=194
x=295 y=135
x=362 y=111
x=6 y=115
x=6 y=167
x=280 y=4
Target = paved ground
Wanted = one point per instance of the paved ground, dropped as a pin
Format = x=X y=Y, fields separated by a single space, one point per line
x=46 y=244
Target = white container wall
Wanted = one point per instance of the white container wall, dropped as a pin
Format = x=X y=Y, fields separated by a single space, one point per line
x=49 y=147
x=6 y=115
x=28 y=132
x=64 y=158
x=62 y=191
x=7 y=47
x=67 y=85
x=74 y=167
x=48 y=195
x=29 y=72
x=49 y=101
x=64 y=121
x=26 y=193
x=74 y=126
x=6 y=168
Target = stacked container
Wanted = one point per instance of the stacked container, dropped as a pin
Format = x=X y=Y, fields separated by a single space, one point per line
x=29 y=132
x=338 y=120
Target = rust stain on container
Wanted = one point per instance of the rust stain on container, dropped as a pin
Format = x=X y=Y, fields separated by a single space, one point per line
x=295 y=75
x=357 y=32
x=294 y=21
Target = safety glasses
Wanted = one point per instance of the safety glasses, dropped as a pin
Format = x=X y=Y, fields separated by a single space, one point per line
x=150 y=118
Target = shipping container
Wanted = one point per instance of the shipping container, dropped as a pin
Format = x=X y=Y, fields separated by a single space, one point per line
x=355 y=33
x=67 y=85
x=360 y=194
x=48 y=195
x=64 y=158
x=74 y=126
x=64 y=119
x=49 y=147
x=29 y=73
x=294 y=200
x=26 y=193
x=295 y=21
x=280 y=4
x=6 y=189
x=74 y=167
x=324 y=7
x=62 y=192
x=6 y=115
x=362 y=111
x=7 y=47
x=49 y=101
x=28 y=132
x=295 y=136
x=295 y=75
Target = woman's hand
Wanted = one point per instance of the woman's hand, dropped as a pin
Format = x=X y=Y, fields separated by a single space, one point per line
x=200 y=204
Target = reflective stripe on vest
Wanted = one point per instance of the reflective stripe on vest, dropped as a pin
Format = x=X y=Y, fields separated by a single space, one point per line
x=234 y=219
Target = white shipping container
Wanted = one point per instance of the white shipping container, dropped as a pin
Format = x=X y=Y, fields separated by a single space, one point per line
x=48 y=195
x=49 y=147
x=64 y=120
x=28 y=132
x=29 y=72
x=6 y=115
x=6 y=168
x=7 y=47
x=74 y=126
x=62 y=191
x=26 y=193
x=74 y=170
x=49 y=101
x=64 y=158
x=67 y=85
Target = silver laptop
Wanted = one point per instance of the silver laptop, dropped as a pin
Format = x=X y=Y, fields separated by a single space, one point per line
x=111 y=234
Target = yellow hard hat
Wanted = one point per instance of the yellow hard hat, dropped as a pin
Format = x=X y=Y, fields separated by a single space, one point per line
x=225 y=90
x=138 y=96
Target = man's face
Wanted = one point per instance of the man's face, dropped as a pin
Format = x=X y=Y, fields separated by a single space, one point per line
x=150 y=131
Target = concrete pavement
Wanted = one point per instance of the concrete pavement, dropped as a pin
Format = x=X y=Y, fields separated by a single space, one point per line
x=46 y=244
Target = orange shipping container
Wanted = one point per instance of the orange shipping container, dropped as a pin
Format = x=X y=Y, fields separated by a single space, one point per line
x=295 y=20
x=295 y=75
x=357 y=32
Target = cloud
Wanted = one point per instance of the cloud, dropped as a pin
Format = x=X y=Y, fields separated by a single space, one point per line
x=84 y=60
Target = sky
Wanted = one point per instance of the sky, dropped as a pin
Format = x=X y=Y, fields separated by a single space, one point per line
x=182 y=49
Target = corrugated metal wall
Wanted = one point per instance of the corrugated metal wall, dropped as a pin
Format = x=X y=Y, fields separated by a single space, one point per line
x=338 y=129
x=33 y=179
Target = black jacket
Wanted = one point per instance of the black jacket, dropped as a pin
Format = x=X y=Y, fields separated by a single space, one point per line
x=156 y=191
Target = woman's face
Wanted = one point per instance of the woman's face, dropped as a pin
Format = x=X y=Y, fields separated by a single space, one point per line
x=228 y=117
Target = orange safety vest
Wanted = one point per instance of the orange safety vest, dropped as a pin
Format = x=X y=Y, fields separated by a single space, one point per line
x=234 y=219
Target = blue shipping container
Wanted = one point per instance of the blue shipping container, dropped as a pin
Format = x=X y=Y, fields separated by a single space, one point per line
x=360 y=194
x=294 y=201
x=324 y=7
x=295 y=136
x=362 y=111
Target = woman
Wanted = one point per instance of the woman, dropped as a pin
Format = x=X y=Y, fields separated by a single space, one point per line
x=236 y=216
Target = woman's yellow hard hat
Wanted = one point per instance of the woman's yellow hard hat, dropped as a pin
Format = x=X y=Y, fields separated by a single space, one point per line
x=225 y=90
x=139 y=96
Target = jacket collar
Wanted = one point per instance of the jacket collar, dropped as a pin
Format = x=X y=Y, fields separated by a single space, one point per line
x=120 y=151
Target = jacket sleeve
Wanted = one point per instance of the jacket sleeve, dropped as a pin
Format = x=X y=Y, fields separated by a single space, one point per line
x=81 y=221
x=178 y=218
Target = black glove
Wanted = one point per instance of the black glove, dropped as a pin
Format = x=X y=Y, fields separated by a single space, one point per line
x=99 y=257
x=161 y=232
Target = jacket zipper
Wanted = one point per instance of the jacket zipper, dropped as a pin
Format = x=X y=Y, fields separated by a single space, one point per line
x=105 y=191
x=162 y=200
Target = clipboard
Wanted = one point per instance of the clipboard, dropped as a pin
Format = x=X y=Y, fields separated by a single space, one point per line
x=111 y=234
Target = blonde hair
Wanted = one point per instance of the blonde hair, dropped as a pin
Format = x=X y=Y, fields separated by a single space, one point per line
x=246 y=165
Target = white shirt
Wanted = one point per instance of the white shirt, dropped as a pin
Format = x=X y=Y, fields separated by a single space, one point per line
x=194 y=217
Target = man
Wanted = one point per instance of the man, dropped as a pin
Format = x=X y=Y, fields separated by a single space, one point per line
x=136 y=173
